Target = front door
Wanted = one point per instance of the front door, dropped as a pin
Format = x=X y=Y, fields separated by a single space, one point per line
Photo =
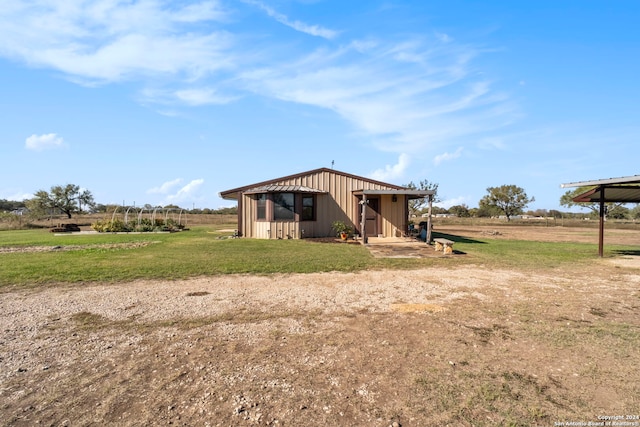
x=371 y=217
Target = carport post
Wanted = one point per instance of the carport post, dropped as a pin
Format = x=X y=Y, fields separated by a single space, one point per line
x=429 y=219
x=363 y=219
x=601 y=231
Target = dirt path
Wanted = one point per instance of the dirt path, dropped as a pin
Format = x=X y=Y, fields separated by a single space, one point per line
x=459 y=346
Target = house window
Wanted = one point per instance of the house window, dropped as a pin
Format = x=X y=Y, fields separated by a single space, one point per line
x=308 y=208
x=283 y=207
x=261 y=206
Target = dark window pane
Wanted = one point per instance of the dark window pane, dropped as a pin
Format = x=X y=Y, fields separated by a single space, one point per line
x=308 y=208
x=283 y=207
x=261 y=207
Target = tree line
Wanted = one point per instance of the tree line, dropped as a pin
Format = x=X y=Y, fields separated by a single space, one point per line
x=511 y=200
x=72 y=200
x=504 y=200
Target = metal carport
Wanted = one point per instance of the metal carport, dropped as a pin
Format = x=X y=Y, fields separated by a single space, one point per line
x=613 y=190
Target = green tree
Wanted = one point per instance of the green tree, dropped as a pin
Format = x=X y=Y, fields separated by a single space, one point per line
x=9 y=205
x=461 y=211
x=69 y=200
x=508 y=199
x=618 y=211
x=416 y=205
x=567 y=200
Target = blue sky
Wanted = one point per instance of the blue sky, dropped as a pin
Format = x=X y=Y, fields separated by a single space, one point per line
x=159 y=101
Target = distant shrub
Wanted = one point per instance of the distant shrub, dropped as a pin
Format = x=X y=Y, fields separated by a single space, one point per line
x=111 y=226
x=145 y=225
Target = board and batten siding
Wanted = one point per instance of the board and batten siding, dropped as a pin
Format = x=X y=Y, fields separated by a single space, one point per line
x=336 y=202
x=393 y=215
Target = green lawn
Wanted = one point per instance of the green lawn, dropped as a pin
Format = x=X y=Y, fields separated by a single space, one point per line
x=201 y=251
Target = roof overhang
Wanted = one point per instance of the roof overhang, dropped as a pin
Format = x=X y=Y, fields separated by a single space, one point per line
x=272 y=188
x=411 y=194
x=617 y=194
x=610 y=190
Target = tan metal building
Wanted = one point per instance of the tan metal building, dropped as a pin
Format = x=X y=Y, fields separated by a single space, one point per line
x=306 y=205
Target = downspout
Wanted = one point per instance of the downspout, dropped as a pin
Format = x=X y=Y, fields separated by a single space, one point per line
x=240 y=225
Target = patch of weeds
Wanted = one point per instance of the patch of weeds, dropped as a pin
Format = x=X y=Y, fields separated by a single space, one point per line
x=240 y=316
x=197 y=294
x=276 y=334
x=87 y=320
x=465 y=398
x=486 y=333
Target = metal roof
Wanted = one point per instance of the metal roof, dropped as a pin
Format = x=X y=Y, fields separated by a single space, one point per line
x=273 y=188
x=635 y=179
x=233 y=193
x=613 y=189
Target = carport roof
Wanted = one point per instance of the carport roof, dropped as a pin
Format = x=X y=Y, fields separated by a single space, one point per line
x=614 y=190
x=617 y=190
x=635 y=179
x=626 y=194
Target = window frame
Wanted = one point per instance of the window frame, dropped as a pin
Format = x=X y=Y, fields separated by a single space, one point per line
x=284 y=207
x=271 y=207
x=313 y=207
x=262 y=198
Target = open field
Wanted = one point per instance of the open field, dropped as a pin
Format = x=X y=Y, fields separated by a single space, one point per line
x=525 y=326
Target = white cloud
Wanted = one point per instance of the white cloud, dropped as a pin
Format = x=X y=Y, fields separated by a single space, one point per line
x=165 y=187
x=47 y=141
x=202 y=97
x=313 y=30
x=16 y=197
x=446 y=204
x=447 y=156
x=390 y=172
x=186 y=193
x=192 y=97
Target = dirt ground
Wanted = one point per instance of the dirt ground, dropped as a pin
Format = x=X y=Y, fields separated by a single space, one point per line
x=460 y=345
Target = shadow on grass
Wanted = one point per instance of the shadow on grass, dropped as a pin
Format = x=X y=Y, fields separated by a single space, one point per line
x=456 y=239
x=630 y=252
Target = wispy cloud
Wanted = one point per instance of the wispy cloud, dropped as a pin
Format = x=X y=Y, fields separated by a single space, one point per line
x=165 y=187
x=447 y=156
x=407 y=95
x=402 y=93
x=47 y=141
x=196 y=96
x=313 y=30
x=108 y=40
